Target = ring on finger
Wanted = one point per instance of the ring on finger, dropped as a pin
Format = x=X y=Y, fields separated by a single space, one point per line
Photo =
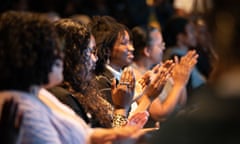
x=124 y=83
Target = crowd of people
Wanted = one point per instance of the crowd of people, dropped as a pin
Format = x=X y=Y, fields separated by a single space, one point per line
x=97 y=79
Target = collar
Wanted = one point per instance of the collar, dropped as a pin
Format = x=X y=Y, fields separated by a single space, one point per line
x=115 y=73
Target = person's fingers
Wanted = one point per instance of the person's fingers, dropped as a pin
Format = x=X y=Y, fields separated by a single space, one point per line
x=138 y=134
x=167 y=64
x=139 y=115
x=141 y=122
x=114 y=83
x=9 y=110
x=155 y=68
x=19 y=121
x=132 y=79
x=157 y=127
x=124 y=75
x=13 y=113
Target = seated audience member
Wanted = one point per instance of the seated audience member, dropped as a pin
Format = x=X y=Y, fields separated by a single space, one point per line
x=207 y=55
x=30 y=52
x=213 y=114
x=115 y=52
x=78 y=89
x=149 y=46
x=180 y=37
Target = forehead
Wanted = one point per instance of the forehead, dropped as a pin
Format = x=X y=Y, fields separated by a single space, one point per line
x=156 y=35
x=92 y=42
x=124 y=35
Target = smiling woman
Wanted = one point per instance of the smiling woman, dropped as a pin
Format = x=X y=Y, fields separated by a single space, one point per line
x=114 y=51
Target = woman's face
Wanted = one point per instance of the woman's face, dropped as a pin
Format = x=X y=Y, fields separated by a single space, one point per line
x=122 y=54
x=56 y=75
x=91 y=52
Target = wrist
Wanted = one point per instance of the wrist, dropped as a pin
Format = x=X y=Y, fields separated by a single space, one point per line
x=178 y=85
x=119 y=120
x=144 y=103
x=120 y=111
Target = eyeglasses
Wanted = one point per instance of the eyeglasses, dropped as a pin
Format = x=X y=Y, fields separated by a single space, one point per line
x=163 y=44
x=58 y=63
x=92 y=51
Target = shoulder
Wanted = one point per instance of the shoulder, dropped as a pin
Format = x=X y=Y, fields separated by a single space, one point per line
x=104 y=79
x=59 y=91
x=63 y=95
x=68 y=99
x=36 y=125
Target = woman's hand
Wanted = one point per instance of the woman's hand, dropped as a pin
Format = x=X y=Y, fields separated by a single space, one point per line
x=127 y=134
x=183 y=68
x=138 y=119
x=158 y=79
x=123 y=92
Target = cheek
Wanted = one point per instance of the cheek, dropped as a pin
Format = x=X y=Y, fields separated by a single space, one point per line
x=55 y=78
x=93 y=59
x=157 y=54
x=58 y=72
x=119 y=52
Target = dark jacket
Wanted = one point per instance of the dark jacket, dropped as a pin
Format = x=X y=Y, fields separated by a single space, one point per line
x=67 y=98
x=104 y=82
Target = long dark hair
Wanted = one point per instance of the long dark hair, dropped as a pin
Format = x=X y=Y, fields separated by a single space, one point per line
x=106 y=30
x=77 y=78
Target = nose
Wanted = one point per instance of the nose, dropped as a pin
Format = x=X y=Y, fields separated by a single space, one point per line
x=130 y=47
x=163 y=46
x=96 y=58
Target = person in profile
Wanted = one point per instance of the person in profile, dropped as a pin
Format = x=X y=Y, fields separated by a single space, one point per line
x=213 y=114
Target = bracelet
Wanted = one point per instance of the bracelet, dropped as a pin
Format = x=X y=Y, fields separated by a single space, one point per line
x=119 y=120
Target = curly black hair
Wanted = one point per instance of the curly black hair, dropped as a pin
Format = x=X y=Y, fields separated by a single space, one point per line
x=77 y=78
x=29 y=47
x=106 y=30
x=76 y=60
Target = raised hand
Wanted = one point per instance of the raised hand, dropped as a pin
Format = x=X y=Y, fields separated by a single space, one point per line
x=183 y=68
x=123 y=92
x=159 y=76
x=158 y=79
x=144 y=81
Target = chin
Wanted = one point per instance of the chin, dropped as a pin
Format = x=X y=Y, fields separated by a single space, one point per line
x=130 y=61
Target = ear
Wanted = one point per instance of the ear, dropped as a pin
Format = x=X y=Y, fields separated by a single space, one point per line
x=146 y=51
